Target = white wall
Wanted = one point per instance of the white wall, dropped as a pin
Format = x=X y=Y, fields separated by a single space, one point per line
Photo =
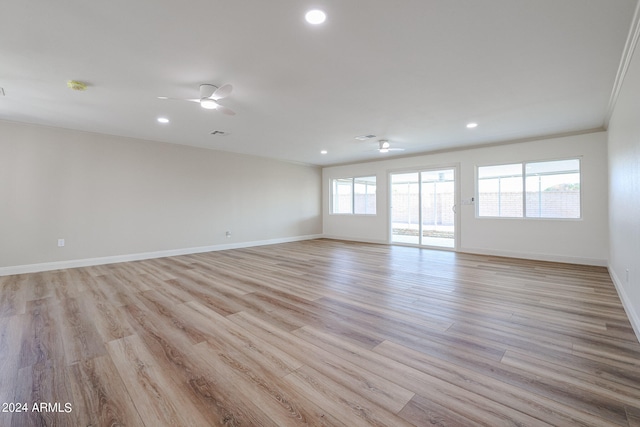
x=110 y=196
x=580 y=241
x=624 y=193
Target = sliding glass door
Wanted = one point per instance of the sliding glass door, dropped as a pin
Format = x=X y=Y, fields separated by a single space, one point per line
x=423 y=207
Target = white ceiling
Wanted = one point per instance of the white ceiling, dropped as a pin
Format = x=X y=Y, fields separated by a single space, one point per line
x=411 y=71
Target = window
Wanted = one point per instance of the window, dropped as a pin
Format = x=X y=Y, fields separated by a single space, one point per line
x=500 y=190
x=354 y=196
x=553 y=189
x=342 y=196
x=531 y=190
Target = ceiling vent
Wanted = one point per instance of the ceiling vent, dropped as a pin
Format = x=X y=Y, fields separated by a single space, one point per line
x=220 y=133
x=364 y=137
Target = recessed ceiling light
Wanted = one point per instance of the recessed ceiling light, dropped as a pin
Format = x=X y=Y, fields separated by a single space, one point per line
x=163 y=120
x=315 y=17
x=324 y=152
x=472 y=125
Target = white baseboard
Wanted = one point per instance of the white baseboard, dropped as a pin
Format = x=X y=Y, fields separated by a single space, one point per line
x=87 y=262
x=355 y=239
x=537 y=256
x=632 y=314
x=491 y=252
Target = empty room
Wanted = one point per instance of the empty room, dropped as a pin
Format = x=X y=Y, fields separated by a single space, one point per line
x=327 y=213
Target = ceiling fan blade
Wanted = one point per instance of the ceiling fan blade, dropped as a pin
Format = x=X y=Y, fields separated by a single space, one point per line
x=226 y=110
x=165 y=98
x=386 y=150
x=222 y=92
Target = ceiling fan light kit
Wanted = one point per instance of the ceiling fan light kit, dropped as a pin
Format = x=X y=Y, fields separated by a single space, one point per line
x=208 y=103
x=209 y=94
x=384 y=146
x=209 y=97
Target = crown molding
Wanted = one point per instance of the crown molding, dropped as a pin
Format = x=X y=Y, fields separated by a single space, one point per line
x=627 y=56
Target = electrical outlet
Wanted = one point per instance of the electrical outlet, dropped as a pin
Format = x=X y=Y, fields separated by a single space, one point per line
x=60 y=243
x=228 y=234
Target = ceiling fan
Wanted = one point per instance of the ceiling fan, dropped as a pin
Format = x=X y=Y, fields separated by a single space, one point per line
x=209 y=97
x=385 y=146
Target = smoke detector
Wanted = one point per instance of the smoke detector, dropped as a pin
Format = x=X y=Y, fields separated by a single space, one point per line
x=76 y=85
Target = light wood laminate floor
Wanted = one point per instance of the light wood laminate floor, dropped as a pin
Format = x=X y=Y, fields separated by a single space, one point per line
x=318 y=332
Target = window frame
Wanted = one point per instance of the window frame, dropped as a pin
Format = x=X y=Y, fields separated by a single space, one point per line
x=524 y=164
x=353 y=180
